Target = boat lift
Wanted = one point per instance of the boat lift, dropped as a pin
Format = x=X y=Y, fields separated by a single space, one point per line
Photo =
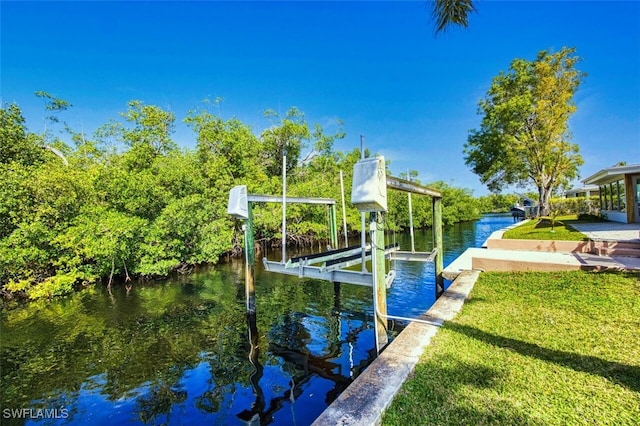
x=369 y=194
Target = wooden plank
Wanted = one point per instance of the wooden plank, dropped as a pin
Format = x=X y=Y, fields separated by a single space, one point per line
x=408 y=186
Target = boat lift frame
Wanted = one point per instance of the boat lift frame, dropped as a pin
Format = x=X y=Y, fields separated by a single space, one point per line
x=329 y=265
x=240 y=206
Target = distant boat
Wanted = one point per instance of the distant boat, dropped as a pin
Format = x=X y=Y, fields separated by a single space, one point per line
x=525 y=207
x=517 y=211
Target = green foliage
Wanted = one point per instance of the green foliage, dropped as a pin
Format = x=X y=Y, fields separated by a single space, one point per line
x=14 y=196
x=575 y=205
x=109 y=238
x=126 y=202
x=151 y=131
x=227 y=150
x=57 y=285
x=458 y=205
x=16 y=145
x=497 y=203
x=27 y=253
x=288 y=136
x=524 y=136
x=188 y=231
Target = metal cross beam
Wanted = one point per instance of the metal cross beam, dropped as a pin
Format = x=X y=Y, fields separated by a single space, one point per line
x=408 y=186
x=254 y=198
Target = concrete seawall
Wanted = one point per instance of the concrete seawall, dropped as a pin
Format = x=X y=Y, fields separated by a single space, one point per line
x=366 y=399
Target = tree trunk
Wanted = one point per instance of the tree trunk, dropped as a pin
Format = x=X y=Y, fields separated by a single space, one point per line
x=543 y=198
x=113 y=267
x=128 y=278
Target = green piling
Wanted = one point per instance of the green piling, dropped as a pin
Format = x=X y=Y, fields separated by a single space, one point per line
x=379 y=281
x=250 y=258
x=333 y=226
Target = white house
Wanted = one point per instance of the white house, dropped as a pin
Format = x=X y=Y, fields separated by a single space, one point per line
x=584 y=191
x=619 y=192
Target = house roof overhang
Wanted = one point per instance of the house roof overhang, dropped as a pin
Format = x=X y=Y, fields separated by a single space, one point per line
x=611 y=174
x=584 y=188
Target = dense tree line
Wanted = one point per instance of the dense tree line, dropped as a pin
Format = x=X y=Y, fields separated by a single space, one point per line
x=128 y=202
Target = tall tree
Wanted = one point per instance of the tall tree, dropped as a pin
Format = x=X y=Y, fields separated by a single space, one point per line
x=53 y=106
x=288 y=136
x=524 y=135
x=147 y=134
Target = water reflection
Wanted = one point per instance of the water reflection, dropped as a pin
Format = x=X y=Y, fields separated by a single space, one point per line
x=184 y=351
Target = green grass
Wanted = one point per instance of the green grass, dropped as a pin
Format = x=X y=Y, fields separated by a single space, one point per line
x=535 y=230
x=532 y=349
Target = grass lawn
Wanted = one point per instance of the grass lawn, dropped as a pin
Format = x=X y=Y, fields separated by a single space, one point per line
x=532 y=230
x=559 y=348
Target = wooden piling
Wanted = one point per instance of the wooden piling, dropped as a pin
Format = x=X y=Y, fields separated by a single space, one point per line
x=437 y=237
x=379 y=281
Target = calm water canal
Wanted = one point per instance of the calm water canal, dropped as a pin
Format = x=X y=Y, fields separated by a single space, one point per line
x=183 y=351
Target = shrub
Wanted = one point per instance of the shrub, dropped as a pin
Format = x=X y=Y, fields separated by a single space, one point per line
x=578 y=205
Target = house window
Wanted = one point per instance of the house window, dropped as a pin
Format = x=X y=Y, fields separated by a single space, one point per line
x=612 y=196
x=622 y=196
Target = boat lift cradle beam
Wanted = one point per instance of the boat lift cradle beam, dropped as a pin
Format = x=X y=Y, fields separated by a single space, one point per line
x=414 y=256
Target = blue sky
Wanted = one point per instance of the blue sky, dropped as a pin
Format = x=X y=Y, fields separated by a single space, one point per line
x=375 y=65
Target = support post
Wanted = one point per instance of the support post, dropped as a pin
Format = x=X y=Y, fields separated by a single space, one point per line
x=379 y=281
x=363 y=219
x=629 y=199
x=284 y=208
x=250 y=260
x=437 y=237
x=333 y=227
x=344 y=212
x=413 y=240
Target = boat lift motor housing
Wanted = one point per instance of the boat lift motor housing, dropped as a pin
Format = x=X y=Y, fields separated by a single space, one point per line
x=238 y=205
x=369 y=189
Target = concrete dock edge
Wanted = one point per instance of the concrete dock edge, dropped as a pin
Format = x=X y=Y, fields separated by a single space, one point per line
x=366 y=399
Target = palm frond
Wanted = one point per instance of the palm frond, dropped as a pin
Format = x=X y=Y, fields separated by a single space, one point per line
x=451 y=12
